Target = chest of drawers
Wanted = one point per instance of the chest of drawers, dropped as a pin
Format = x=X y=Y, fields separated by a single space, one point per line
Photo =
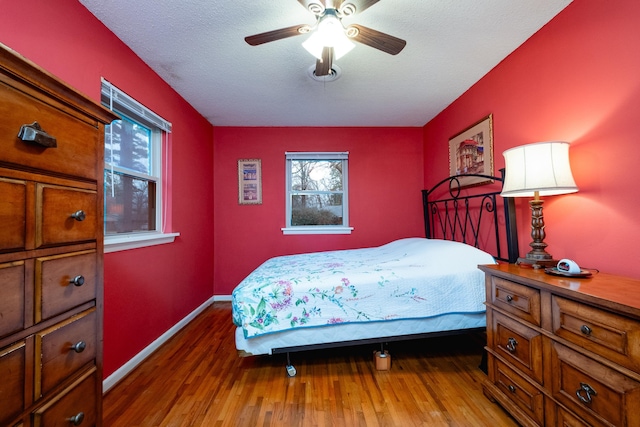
x=51 y=246
x=563 y=351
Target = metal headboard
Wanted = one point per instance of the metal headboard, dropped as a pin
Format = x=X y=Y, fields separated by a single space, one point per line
x=472 y=216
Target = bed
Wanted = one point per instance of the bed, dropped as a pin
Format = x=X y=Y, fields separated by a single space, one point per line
x=405 y=289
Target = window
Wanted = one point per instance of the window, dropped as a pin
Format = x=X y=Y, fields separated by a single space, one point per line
x=133 y=169
x=317 y=197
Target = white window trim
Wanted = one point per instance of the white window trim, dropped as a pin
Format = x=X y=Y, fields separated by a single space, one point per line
x=316 y=229
x=115 y=243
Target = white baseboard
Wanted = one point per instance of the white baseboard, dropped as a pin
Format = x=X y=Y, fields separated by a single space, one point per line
x=125 y=369
x=222 y=297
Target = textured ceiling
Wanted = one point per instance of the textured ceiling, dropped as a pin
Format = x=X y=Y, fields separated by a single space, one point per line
x=198 y=47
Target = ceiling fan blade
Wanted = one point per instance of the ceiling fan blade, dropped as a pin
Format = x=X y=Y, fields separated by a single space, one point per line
x=360 y=5
x=282 y=33
x=376 y=39
x=323 y=66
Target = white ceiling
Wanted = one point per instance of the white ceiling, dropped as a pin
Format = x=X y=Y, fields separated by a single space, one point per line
x=198 y=47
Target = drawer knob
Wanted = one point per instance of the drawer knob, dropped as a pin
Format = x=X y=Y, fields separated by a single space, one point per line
x=509 y=298
x=78 y=280
x=512 y=389
x=585 y=330
x=585 y=392
x=79 y=215
x=511 y=344
x=35 y=133
x=77 y=419
x=79 y=346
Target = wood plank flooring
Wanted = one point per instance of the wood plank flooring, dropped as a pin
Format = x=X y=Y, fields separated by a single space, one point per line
x=198 y=379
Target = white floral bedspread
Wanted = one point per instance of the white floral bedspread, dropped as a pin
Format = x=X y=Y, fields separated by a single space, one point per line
x=407 y=278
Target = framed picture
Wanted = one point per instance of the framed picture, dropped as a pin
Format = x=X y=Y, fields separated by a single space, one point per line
x=471 y=152
x=249 y=182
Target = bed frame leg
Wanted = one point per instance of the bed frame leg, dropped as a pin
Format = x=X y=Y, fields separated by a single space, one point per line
x=291 y=370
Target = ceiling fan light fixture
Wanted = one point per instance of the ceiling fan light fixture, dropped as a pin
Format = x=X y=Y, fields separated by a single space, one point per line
x=330 y=33
x=348 y=9
x=316 y=8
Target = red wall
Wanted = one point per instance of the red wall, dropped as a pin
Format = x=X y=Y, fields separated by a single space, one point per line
x=147 y=291
x=577 y=80
x=385 y=179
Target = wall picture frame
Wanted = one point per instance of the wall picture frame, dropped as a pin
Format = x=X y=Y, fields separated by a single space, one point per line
x=249 y=181
x=471 y=152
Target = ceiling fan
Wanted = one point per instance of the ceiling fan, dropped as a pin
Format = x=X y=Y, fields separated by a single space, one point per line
x=330 y=39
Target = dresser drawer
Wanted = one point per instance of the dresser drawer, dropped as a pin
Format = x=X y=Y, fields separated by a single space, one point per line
x=12 y=303
x=521 y=392
x=63 y=349
x=13 y=214
x=76 y=153
x=55 y=221
x=12 y=374
x=519 y=300
x=564 y=418
x=597 y=393
x=518 y=344
x=76 y=403
x=607 y=334
x=63 y=282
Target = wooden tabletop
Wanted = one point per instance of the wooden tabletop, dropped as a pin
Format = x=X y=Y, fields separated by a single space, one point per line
x=615 y=292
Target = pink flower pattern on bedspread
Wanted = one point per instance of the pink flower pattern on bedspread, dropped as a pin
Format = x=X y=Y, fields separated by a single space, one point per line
x=407 y=278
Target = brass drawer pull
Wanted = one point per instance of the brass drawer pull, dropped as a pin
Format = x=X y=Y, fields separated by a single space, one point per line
x=79 y=346
x=77 y=419
x=79 y=215
x=78 y=280
x=585 y=330
x=511 y=344
x=35 y=133
x=588 y=392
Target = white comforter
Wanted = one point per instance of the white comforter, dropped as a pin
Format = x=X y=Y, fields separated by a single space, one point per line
x=405 y=279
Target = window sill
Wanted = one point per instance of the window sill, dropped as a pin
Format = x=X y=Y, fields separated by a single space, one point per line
x=134 y=241
x=317 y=229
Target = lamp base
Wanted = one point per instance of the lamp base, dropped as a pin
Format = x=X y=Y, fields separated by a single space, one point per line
x=537 y=257
x=537 y=263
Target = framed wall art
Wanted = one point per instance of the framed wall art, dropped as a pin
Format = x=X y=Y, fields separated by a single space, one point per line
x=471 y=152
x=249 y=182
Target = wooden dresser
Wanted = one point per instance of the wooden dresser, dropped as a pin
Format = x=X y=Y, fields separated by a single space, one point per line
x=51 y=249
x=563 y=351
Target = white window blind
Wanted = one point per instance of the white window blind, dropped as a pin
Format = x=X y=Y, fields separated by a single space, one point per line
x=313 y=155
x=119 y=101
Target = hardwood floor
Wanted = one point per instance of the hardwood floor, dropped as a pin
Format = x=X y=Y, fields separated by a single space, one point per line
x=198 y=379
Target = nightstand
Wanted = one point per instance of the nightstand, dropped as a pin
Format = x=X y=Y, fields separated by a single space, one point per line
x=563 y=351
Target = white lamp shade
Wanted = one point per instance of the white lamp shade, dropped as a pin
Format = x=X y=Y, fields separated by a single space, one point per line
x=330 y=33
x=542 y=166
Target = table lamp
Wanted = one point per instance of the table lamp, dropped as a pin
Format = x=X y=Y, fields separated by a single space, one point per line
x=534 y=170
